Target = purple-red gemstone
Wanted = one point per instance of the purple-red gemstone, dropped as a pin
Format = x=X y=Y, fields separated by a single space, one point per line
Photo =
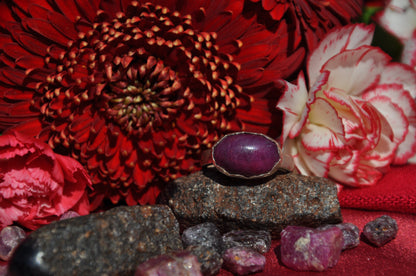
x=176 y=263
x=381 y=230
x=10 y=238
x=242 y=260
x=304 y=248
x=246 y=155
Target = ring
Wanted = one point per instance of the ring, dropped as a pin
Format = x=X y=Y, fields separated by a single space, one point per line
x=247 y=155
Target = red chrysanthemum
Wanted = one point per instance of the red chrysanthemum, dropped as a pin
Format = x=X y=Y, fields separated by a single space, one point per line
x=137 y=90
x=312 y=19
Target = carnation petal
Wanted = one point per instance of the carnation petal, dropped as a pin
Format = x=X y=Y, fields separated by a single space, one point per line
x=76 y=181
x=325 y=127
x=345 y=167
x=409 y=51
x=397 y=73
x=339 y=39
x=399 y=18
x=399 y=108
x=317 y=162
x=353 y=71
x=292 y=103
x=316 y=137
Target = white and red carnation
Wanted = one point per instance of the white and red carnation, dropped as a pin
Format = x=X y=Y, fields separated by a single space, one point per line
x=354 y=114
x=399 y=18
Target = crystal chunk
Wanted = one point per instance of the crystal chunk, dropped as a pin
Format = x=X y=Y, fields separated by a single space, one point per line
x=381 y=230
x=242 y=260
x=10 y=238
x=304 y=248
x=258 y=240
x=178 y=263
x=350 y=232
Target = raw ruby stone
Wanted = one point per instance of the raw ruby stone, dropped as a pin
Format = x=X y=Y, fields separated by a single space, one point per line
x=176 y=263
x=243 y=260
x=10 y=238
x=246 y=154
x=350 y=232
x=381 y=230
x=304 y=248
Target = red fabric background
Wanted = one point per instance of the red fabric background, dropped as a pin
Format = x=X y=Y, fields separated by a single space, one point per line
x=394 y=195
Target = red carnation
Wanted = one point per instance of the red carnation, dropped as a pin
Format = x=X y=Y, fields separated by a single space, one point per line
x=137 y=90
x=37 y=186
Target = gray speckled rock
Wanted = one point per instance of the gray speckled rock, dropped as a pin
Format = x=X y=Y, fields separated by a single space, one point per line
x=263 y=204
x=114 y=242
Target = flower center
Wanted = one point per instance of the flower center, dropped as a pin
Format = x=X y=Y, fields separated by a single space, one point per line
x=140 y=71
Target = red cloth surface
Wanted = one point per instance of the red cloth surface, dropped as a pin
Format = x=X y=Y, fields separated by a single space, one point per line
x=394 y=195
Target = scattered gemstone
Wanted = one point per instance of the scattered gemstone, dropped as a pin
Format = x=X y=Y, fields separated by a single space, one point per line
x=258 y=240
x=242 y=260
x=246 y=155
x=209 y=258
x=177 y=263
x=381 y=230
x=304 y=248
x=3 y=270
x=10 y=238
x=350 y=232
x=206 y=234
x=69 y=214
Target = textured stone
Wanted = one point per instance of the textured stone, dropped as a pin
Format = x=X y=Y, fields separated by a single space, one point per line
x=10 y=237
x=108 y=243
x=303 y=248
x=243 y=260
x=177 y=263
x=381 y=230
x=209 y=258
x=206 y=234
x=350 y=232
x=261 y=204
x=259 y=240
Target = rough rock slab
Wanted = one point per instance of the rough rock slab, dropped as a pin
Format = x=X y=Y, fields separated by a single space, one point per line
x=114 y=242
x=265 y=204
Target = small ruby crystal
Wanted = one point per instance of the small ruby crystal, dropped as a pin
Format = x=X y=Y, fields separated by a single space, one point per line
x=303 y=248
x=246 y=155
x=381 y=230
x=10 y=237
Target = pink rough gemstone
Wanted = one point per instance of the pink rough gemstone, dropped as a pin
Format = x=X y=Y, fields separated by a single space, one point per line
x=69 y=214
x=10 y=237
x=242 y=260
x=178 y=263
x=304 y=248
